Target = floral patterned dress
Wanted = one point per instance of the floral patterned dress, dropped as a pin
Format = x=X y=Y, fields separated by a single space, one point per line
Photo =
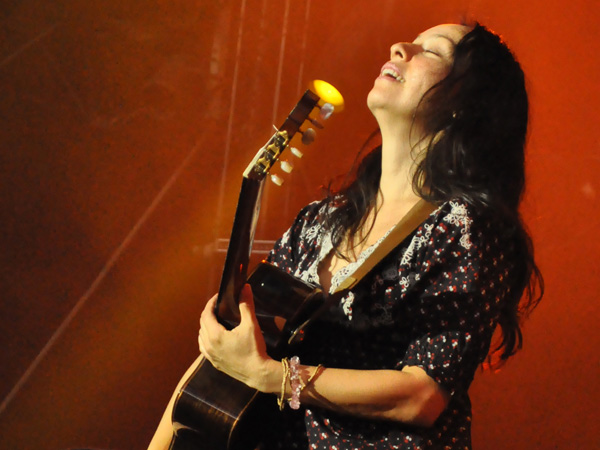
x=433 y=302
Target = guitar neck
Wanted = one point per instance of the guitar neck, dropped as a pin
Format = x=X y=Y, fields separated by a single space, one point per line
x=235 y=270
x=246 y=216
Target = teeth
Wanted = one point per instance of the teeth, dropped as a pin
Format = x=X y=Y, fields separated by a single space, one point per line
x=392 y=73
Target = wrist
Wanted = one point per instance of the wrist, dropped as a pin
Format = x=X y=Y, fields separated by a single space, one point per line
x=269 y=377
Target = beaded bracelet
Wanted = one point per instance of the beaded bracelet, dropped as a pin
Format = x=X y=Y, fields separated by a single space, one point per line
x=291 y=373
x=295 y=383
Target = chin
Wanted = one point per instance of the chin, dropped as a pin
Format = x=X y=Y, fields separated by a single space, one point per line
x=375 y=100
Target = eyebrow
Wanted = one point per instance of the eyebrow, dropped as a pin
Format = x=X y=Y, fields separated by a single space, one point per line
x=439 y=36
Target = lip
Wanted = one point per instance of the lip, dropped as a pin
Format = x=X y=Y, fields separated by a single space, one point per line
x=391 y=66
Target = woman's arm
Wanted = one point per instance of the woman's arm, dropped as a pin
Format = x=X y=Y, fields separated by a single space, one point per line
x=410 y=396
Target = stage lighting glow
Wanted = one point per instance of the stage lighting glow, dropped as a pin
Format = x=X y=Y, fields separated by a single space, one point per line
x=328 y=94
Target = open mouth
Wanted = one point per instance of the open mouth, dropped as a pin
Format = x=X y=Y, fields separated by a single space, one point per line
x=389 y=73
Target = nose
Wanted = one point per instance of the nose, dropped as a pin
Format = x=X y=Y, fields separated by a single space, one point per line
x=401 y=50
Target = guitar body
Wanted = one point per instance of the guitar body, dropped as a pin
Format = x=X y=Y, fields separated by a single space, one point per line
x=216 y=412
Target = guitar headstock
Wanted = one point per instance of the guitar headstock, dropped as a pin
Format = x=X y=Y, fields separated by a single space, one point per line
x=268 y=155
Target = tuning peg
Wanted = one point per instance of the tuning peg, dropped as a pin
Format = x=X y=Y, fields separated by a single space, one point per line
x=286 y=166
x=308 y=136
x=316 y=123
x=276 y=179
x=326 y=111
x=297 y=153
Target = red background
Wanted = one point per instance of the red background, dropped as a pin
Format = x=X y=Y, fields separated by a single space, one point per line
x=125 y=128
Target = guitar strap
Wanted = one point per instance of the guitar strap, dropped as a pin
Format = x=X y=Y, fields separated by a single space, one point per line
x=411 y=220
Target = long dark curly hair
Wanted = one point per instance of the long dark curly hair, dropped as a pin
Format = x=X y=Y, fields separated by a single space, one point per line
x=475 y=123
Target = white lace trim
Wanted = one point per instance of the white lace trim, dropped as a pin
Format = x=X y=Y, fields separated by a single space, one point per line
x=458 y=216
x=416 y=243
x=343 y=273
x=326 y=247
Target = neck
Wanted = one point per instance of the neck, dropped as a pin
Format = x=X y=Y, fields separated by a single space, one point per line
x=399 y=160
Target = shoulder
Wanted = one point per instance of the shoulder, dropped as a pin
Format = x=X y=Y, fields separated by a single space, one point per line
x=457 y=230
x=456 y=220
x=309 y=219
x=475 y=238
x=312 y=212
x=457 y=217
x=301 y=238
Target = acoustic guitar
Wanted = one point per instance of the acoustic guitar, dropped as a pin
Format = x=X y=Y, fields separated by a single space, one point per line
x=212 y=410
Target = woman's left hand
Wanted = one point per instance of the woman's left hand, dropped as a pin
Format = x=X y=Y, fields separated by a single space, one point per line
x=241 y=352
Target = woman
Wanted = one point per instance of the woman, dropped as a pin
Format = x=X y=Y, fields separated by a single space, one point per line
x=390 y=366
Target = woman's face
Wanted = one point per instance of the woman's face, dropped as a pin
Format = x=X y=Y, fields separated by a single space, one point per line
x=413 y=69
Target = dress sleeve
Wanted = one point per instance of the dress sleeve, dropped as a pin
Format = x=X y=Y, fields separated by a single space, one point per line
x=456 y=300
